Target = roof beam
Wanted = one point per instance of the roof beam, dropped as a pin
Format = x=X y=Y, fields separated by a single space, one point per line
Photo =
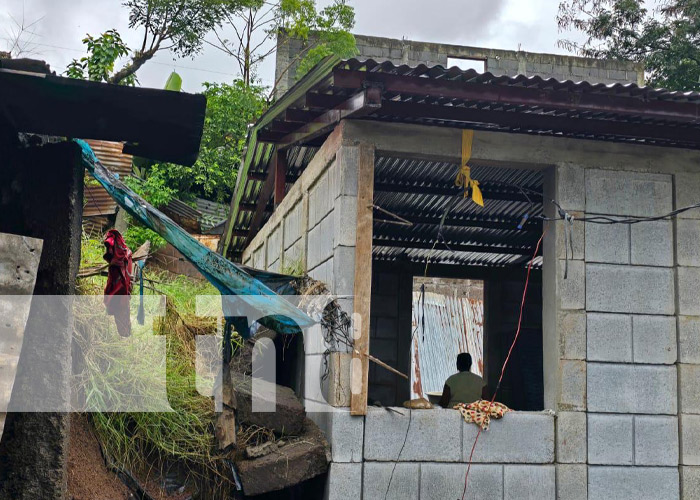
x=263 y=197
x=508 y=224
x=490 y=191
x=542 y=122
x=364 y=102
x=527 y=96
x=457 y=247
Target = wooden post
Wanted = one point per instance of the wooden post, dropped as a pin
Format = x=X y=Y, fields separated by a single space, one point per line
x=359 y=375
x=280 y=165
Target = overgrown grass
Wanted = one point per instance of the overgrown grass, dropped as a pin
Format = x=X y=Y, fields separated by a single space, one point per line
x=115 y=368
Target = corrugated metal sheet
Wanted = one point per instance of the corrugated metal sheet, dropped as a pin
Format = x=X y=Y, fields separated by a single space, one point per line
x=452 y=325
x=212 y=213
x=97 y=201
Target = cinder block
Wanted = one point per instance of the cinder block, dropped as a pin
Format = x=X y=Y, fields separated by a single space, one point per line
x=292 y=225
x=391 y=481
x=343 y=271
x=614 y=192
x=689 y=339
x=573 y=385
x=442 y=481
x=320 y=202
x=690 y=483
x=569 y=192
x=519 y=437
x=578 y=239
x=652 y=243
x=613 y=388
x=654 y=339
x=687 y=188
x=572 y=481
x=688 y=242
x=344 y=481
x=610 y=439
x=347 y=159
x=628 y=289
x=321 y=242
x=572 y=334
x=688 y=286
x=345 y=226
x=433 y=436
x=655 y=440
x=689 y=379
x=609 y=337
x=572 y=443
x=534 y=482
x=608 y=243
x=638 y=483
x=572 y=290
x=690 y=439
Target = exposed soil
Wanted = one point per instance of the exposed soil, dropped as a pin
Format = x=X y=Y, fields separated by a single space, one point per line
x=88 y=476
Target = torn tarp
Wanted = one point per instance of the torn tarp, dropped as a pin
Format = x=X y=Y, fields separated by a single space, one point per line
x=256 y=299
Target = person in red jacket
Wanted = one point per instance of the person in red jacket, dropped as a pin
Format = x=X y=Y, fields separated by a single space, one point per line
x=119 y=280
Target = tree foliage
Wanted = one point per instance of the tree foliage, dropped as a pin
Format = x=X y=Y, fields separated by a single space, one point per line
x=666 y=38
x=325 y=32
x=98 y=64
x=230 y=108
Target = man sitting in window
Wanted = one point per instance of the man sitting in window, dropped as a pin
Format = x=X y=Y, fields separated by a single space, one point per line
x=463 y=387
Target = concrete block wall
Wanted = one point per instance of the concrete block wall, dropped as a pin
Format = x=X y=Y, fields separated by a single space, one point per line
x=498 y=62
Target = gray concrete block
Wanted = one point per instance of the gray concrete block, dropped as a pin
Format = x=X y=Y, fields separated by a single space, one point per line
x=655 y=440
x=573 y=385
x=578 y=239
x=610 y=439
x=571 y=327
x=346 y=436
x=571 y=291
x=347 y=159
x=569 y=192
x=690 y=439
x=689 y=339
x=345 y=227
x=614 y=192
x=689 y=391
x=292 y=225
x=320 y=203
x=344 y=481
x=690 y=483
x=535 y=482
x=519 y=437
x=572 y=481
x=652 y=243
x=274 y=245
x=442 y=481
x=687 y=187
x=613 y=388
x=321 y=241
x=433 y=436
x=688 y=242
x=391 y=481
x=572 y=443
x=608 y=243
x=654 y=339
x=628 y=289
x=344 y=270
x=689 y=290
x=638 y=483
x=609 y=337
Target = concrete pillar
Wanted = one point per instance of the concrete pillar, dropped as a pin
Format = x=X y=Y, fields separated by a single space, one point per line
x=42 y=197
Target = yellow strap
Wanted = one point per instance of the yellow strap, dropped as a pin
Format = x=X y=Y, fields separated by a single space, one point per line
x=464 y=179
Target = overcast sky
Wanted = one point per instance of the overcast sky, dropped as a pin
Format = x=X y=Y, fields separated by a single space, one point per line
x=503 y=24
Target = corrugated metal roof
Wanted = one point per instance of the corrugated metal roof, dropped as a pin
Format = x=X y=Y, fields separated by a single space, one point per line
x=97 y=201
x=455 y=98
x=212 y=213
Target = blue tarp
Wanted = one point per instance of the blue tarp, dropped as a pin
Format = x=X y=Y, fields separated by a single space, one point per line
x=254 y=299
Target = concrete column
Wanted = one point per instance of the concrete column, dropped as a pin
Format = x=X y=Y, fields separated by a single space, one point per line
x=42 y=197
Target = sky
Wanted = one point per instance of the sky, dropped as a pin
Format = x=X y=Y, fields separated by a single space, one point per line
x=59 y=25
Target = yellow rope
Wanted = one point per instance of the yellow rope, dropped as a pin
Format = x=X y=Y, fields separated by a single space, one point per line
x=464 y=178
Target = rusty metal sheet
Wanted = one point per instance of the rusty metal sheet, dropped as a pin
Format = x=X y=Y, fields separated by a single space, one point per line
x=97 y=201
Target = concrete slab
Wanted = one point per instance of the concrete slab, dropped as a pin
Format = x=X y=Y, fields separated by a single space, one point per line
x=639 y=483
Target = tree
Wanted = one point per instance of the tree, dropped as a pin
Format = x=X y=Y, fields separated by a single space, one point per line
x=230 y=108
x=666 y=39
x=325 y=32
x=103 y=53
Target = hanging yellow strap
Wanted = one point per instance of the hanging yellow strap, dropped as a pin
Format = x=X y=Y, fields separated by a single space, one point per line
x=464 y=178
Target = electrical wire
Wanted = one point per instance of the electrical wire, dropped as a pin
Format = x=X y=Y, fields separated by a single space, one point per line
x=505 y=363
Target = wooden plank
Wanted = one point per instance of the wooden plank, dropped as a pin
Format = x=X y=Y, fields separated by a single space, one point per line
x=359 y=376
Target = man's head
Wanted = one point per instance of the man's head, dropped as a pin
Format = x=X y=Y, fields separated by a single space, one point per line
x=464 y=362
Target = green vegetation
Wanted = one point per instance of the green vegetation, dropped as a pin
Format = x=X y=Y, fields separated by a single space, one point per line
x=666 y=38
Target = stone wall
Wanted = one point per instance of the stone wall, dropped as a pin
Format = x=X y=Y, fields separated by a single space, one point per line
x=498 y=62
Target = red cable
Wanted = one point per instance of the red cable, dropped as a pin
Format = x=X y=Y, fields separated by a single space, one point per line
x=503 y=369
